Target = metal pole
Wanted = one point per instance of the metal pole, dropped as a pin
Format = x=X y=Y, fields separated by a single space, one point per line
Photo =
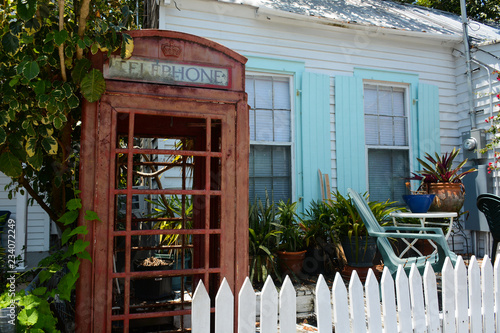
x=468 y=70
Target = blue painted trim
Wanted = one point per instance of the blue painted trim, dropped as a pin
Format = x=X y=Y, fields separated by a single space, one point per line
x=295 y=69
x=350 y=134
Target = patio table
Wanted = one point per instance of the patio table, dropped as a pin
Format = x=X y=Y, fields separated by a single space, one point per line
x=422 y=217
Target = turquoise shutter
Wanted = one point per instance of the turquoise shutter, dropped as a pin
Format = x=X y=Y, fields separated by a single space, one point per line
x=426 y=125
x=315 y=131
x=350 y=134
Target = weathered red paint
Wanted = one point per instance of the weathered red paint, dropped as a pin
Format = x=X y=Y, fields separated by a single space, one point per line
x=217 y=118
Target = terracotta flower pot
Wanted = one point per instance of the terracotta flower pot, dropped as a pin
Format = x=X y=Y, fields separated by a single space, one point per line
x=449 y=196
x=291 y=261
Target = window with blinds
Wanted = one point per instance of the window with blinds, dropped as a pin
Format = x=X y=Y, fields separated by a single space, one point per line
x=386 y=138
x=270 y=137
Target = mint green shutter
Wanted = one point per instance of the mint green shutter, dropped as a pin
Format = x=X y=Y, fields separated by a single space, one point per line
x=350 y=134
x=426 y=125
x=315 y=132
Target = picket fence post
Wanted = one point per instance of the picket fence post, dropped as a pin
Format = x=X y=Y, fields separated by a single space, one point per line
x=470 y=301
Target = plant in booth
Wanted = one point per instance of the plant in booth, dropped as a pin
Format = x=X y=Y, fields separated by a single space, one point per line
x=359 y=248
x=440 y=176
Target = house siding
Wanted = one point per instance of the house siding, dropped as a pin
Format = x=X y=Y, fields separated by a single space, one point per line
x=325 y=49
x=38 y=237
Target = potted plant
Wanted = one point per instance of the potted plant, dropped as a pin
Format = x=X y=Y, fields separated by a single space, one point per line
x=359 y=248
x=263 y=239
x=441 y=177
x=319 y=237
x=291 y=239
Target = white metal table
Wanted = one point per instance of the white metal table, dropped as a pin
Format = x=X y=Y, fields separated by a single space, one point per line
x=422 y=217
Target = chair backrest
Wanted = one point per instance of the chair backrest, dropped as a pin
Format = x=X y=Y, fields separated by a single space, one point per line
x=489 y=204
x=371 y=223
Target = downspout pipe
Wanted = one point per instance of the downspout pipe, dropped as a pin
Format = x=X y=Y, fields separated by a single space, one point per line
x=468 y=70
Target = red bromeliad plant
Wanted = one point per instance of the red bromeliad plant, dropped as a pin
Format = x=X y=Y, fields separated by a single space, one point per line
x=440 y=169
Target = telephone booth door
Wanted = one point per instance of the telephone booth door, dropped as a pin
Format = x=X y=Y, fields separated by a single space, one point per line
x=165 y=166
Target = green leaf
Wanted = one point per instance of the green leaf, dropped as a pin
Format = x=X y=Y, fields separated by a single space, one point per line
x=10 y=165
x=80 y=230
x=58 y=123
x=31 y=70
x=3 y=135
x=48 y=48
x=69 y=217
x=40 y=87
x=26 y=9
x=73 y=266
x=84 y=255
x=91 y=216
x=10 y=43
x=80 y=70
x=67 y=89
x=30 y=146
x=33 y=25
x=81 y=44
x=45 y=275
x=50 y=145
x=16 y=27
x=94 y=48
x=73 y=102
x=74 y=204
x=14 y=81
x=87 y=41
x=36 y=160
x=39 y=291
x=14 y=105
x=28 y=317
x=65 y=236
x=93 y=86
x=80 y=246
x=60 y=37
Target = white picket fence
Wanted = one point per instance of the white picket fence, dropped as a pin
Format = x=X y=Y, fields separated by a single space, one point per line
x=470 y=300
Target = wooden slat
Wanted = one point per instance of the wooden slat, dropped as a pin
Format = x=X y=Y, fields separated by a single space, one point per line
x=373 y=313
x=287 y=307
x=388 y=302
x=247 y=303
x=461 y=299
x=448 y=297
x=268 y=308
x=431 y=300
x=357 y=304
x=328 y=190
x=200 y=310
x=488 y=307
x=323 y=306
x=224 y=309
x=417 y=300
x=403 y=298
x=321 y=185
x=340 y=305
x=475 y=296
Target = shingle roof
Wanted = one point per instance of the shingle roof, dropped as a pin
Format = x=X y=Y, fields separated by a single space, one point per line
x=379 y=13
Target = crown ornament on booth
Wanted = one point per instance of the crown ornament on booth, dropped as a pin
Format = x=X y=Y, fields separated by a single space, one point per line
x=171 y=50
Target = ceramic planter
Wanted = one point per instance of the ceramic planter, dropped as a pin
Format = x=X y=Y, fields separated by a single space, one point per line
x=419 y=203
x=291 y=262
x=449 y=196
x=363 y=255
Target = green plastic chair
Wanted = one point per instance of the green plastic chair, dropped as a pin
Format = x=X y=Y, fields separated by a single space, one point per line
x=389 y=257
x=489 y=204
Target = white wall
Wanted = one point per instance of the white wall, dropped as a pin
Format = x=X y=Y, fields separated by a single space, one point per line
x=38 y=221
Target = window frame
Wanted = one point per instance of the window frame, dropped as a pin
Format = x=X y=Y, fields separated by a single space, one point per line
x=291 y=144
x=407 y=114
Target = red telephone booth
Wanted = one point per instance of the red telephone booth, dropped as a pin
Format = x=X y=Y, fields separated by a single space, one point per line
x=164 y=163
